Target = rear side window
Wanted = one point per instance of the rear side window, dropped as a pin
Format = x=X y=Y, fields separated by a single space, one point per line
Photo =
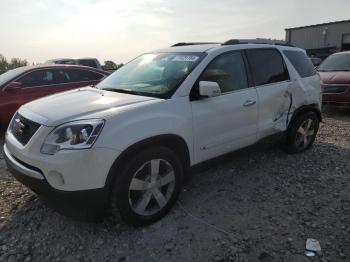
x=301 y=63
x=267 y=66
x=78 y=75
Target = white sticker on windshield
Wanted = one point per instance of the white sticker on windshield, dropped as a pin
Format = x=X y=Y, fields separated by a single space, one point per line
x=186 y=58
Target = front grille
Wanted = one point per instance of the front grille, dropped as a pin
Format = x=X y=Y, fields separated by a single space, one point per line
x=23 y=129
x=335 y=89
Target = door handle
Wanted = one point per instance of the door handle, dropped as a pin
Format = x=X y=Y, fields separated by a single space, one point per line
x=249 y=102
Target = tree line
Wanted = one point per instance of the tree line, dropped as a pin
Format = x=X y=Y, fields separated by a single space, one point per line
x=6 y=65
x=110 y=65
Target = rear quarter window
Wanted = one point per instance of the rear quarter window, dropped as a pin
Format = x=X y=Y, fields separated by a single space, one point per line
x=267 y=66
x=301 y=63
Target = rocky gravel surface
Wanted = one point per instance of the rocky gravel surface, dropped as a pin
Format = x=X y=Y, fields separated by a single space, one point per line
x=258 y=204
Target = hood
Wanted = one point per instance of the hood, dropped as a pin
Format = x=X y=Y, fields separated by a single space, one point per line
x=331 y=78
x=79 y=104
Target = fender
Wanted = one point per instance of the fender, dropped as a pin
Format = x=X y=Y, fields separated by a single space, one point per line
x=313 y=107
x=174 y=142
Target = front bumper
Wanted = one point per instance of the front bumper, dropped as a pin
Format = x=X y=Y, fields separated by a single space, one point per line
x=67 y=170
x=89 y=205
x=73 y=182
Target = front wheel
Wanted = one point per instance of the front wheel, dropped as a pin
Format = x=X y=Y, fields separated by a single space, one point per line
x=302 y=132
x=148 y=186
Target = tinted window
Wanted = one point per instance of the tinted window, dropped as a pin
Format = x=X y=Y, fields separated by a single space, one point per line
x=267 y=66
x=38 y=78
x=62 y=76
x=90 y=63
x=228 y=71
x=301 y=63
x=79 y=75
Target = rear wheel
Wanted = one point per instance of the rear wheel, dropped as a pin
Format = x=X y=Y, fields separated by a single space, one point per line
x=302 y=132
x=148 y=186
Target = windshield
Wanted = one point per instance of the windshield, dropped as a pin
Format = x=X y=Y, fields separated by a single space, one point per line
x=337 y=62
x=157 y=74
x=9 y=75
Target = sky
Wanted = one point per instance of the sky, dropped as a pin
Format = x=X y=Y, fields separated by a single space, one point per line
x=38 y=30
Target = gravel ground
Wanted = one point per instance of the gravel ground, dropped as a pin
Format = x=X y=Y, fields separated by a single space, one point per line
x=259 y=204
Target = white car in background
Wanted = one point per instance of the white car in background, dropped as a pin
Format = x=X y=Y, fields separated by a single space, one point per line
x=90 y=62
x=127 y=144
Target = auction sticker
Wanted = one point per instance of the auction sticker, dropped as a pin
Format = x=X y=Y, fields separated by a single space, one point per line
x=186 y=58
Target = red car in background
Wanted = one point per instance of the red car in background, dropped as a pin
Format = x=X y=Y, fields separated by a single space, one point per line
x=335 y=79
x=24 y=84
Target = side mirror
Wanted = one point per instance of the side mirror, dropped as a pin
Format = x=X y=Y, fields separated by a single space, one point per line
x=209 y=89
x=13 y=86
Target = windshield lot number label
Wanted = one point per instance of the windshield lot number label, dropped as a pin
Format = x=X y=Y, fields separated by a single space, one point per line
x=186 y=58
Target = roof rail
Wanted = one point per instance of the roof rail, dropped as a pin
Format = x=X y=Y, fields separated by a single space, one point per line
x=256 y=41
x=192 y=43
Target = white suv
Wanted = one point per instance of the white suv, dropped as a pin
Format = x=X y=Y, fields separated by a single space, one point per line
x=127 y=144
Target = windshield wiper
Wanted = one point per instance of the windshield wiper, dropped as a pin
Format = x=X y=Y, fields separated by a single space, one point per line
x=119 y=90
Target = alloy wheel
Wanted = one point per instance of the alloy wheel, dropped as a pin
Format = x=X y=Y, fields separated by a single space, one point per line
x=305 y=134
x=151 y=187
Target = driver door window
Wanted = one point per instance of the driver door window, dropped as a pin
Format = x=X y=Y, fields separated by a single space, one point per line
x=228 y=70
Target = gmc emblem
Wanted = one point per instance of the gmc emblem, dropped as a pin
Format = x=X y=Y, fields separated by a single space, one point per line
x=18 y=126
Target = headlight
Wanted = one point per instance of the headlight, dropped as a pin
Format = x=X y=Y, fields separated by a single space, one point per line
x=73 y=135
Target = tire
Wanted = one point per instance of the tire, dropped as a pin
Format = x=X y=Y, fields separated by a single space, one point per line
x=302 y=132
x=135 y=186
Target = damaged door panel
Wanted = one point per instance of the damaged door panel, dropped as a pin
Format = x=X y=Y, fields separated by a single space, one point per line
x=304 y=89
x=300 y=92
x=283 y=86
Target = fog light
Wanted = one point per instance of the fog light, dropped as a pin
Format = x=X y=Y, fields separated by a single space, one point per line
x=56 y=178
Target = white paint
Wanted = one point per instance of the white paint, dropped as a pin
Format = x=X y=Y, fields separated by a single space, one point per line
x=210 y=127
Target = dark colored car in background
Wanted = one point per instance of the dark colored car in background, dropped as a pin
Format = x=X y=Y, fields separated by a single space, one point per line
x=24 y=84
x=335 y=79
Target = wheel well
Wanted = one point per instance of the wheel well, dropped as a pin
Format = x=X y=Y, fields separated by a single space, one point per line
x=303 y=109
x=173 y=142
